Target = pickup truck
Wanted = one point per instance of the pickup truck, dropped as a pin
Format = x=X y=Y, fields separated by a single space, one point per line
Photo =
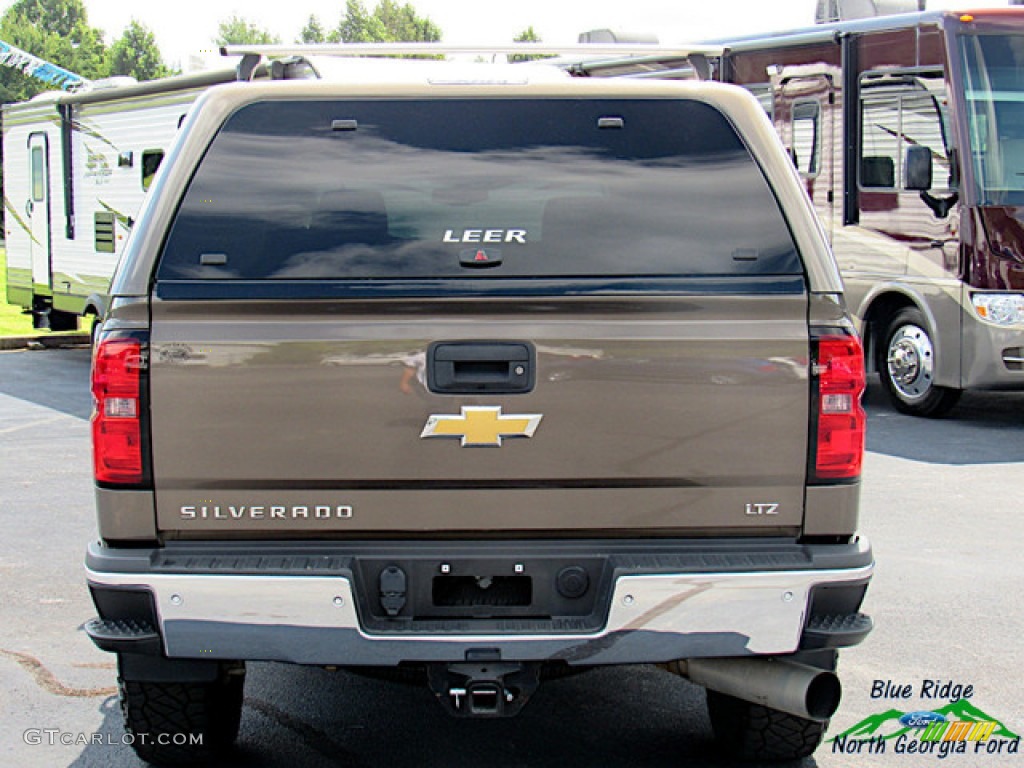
x=478 y=380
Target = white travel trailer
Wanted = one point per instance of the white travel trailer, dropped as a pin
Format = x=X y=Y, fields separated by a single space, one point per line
x=76 y=169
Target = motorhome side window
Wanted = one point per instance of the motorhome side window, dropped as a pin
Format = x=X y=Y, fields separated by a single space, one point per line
x=806 y=149
x=151 y=159
x=899 y=112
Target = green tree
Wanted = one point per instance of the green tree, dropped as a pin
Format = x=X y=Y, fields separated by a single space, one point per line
x=358 y=26
x=58 y=17
x=403 y=25
x=313 y=32
x=57 y=31
x=389 y=22
x=528 y=35
x=239 y=31
x=136 y=53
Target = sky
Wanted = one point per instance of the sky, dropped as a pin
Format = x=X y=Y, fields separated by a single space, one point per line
x=186 y=27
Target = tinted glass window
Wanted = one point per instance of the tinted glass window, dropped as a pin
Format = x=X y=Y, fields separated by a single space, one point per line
x=994 y=92
x=151 y=160
x=413 y=189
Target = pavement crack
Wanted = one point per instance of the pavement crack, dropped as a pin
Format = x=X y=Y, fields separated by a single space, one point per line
x=46 y=680
x=312 y=737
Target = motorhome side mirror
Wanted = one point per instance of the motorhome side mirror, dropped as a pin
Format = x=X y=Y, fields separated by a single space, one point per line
x=918 y=169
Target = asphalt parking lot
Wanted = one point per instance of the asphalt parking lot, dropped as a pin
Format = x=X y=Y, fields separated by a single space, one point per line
x=941 y=504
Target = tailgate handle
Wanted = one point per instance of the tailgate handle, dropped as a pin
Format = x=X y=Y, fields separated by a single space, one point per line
x=474 y=367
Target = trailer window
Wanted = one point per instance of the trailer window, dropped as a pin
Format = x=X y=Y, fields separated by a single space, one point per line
x=38 y=175
x=434 y=188
x=151 y=159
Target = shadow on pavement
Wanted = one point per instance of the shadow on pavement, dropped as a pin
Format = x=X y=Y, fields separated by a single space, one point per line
x=983 y=428
x=640 y=717
x=52 y=378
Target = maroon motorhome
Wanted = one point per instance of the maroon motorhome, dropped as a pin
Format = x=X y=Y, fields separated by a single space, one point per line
x=908 y=133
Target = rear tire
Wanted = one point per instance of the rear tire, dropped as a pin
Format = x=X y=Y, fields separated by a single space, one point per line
x=906 y=362
x=749 y=731
x=182 y=723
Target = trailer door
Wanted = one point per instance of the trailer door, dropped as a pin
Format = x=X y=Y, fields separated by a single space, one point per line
x=37 y=210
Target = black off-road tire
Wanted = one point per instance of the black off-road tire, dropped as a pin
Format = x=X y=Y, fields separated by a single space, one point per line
x=906 y=362
x=182 y=723
x=750 y=731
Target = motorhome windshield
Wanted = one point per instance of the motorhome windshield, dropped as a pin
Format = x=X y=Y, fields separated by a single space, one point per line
x=994 y=91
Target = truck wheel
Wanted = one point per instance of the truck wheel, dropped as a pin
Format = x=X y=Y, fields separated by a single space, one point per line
x=182 y=723
x=906 y=362
x=749 y=731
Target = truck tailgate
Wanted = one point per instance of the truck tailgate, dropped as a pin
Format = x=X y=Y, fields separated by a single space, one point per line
x=655 y=414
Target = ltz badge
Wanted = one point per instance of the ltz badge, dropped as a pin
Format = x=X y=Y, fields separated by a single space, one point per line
x=480 y=426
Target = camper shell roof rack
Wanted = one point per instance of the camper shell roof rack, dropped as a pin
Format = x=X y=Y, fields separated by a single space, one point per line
x=580 y=59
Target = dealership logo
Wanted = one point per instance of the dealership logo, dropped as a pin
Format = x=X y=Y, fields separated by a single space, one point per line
x=958 y=727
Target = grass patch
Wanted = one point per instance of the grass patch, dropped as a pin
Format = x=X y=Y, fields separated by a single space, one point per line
x=12 y=321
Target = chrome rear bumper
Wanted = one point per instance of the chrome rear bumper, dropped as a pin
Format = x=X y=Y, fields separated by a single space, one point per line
x=315 y=619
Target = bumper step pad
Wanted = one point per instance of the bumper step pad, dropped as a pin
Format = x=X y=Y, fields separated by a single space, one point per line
x=835 y=631
x=117 y=635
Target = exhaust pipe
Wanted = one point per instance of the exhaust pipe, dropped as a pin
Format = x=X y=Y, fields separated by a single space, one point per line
x=800 y=690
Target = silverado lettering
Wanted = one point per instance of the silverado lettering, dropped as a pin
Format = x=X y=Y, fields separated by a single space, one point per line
x=319 y=512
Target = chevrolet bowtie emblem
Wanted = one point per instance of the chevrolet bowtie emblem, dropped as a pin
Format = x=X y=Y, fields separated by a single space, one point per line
x=481 y=425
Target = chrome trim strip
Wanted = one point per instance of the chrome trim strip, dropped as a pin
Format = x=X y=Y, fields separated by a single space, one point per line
x=768 y=608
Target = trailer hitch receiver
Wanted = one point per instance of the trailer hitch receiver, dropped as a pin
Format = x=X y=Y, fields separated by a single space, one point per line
x=489 y=689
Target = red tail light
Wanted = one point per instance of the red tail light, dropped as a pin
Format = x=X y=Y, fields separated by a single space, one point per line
x=839 y=368
x=117 y=385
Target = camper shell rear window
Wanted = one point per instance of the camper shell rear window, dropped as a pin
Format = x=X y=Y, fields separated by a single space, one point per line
x=488 y=188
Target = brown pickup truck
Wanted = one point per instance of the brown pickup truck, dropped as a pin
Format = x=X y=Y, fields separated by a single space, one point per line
x=487 y=379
